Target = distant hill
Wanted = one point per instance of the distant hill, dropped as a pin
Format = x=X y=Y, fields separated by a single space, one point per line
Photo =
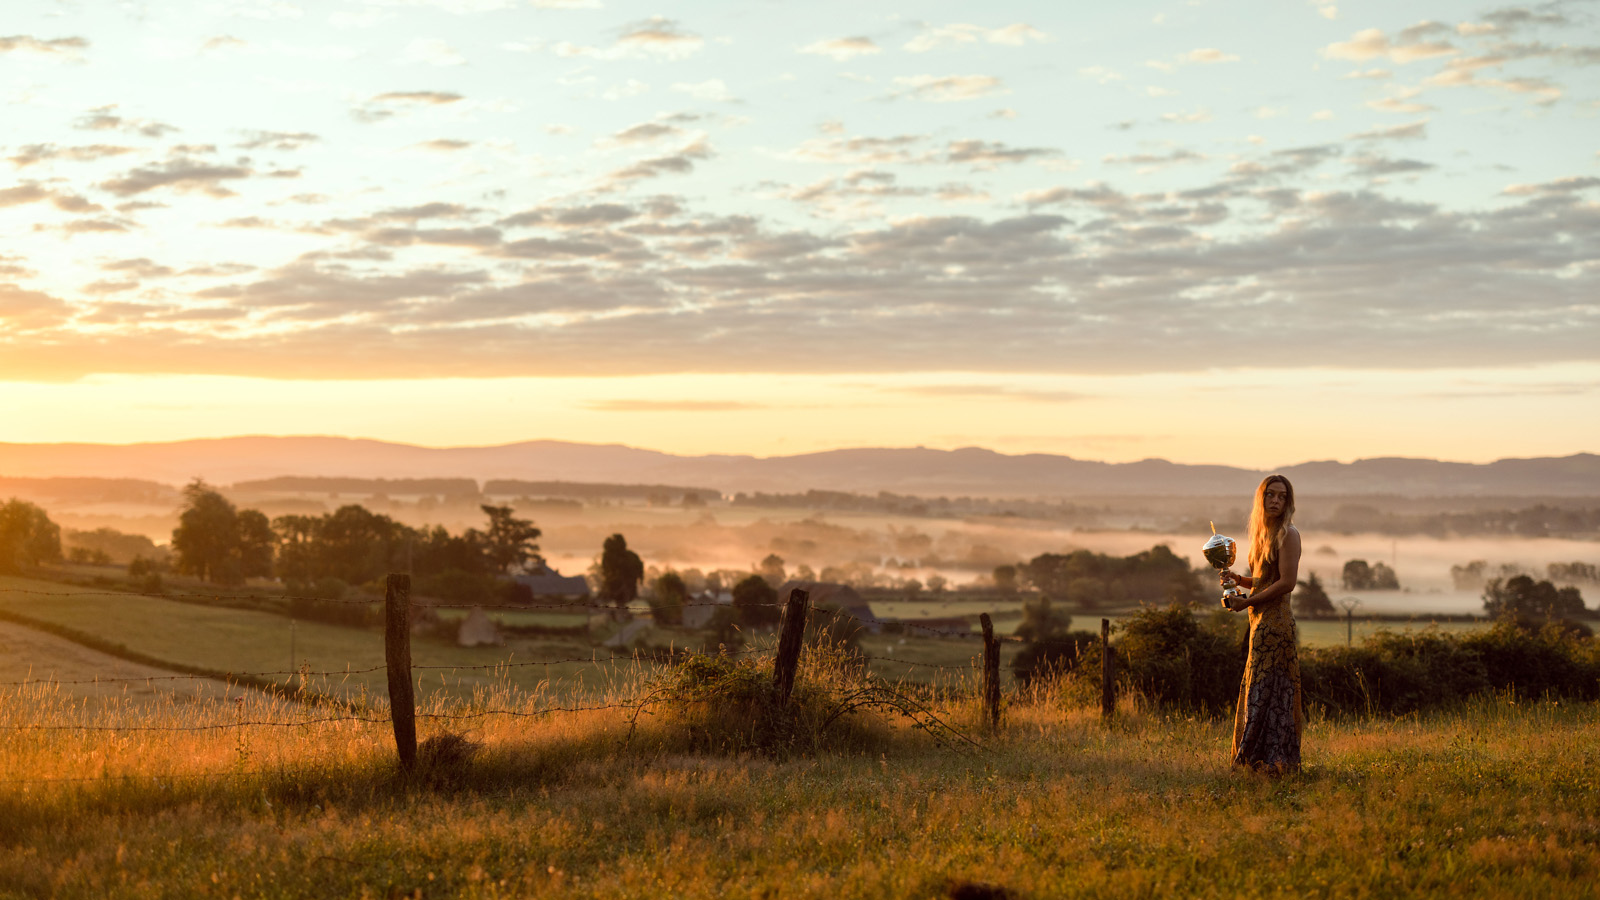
x=968 y=471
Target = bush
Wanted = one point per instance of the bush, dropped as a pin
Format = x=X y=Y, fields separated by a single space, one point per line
x=727 y=705
x=1172 y=658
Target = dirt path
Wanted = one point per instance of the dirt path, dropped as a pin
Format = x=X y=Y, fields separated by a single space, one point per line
x=35 y=656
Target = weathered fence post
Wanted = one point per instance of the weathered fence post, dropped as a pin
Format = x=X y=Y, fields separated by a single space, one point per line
x=1108 y=672
x=397 y=654
x=791 y=634
x=991 y=672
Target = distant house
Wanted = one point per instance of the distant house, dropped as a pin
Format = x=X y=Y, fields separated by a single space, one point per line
x=840 y=597
x=547 y=582
x=697 y=613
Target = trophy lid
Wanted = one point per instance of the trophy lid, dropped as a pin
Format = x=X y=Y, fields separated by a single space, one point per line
x=1220 y=550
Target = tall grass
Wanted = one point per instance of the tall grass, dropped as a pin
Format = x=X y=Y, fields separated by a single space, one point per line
x=1498 y=796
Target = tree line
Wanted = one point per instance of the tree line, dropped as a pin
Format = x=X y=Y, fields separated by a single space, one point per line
x=351 y=546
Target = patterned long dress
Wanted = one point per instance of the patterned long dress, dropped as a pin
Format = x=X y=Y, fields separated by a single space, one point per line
x=1269 y=719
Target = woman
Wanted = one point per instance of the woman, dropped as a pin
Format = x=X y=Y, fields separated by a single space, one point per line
x=1267 y=725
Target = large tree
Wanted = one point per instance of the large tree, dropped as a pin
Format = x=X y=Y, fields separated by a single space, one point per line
x=509 y=542
x=1522 y=598
x=621 y=570
x=27 y=536
x=218 y=543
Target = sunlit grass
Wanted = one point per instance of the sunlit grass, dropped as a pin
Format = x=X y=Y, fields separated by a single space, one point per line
x=1498 y=798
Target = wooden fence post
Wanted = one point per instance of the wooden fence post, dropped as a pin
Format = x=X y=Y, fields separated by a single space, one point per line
x=991 y=672
x=397 y=654
x=791 y=634
x=1108 y=673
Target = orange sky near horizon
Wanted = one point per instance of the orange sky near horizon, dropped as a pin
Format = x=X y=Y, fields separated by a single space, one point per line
x=1275 y=417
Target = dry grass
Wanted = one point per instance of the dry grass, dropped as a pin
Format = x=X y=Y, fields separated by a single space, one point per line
x=1498 y=799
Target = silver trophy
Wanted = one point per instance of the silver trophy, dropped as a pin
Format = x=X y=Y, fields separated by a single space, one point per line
x=1221 y=550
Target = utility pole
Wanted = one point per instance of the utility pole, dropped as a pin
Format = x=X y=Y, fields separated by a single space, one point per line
x=1349 y=604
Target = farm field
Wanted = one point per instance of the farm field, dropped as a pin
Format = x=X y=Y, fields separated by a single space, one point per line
x=224 y=639
x=1498 y=799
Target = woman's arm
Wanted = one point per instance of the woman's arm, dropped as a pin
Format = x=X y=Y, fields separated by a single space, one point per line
x=1288 y=572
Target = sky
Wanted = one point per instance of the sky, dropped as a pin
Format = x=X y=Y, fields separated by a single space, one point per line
x=1247 y=233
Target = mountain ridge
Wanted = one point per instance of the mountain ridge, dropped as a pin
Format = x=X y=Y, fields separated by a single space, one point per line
x=973 y=471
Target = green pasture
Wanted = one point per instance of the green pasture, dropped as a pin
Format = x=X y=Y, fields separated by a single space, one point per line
x=237 y=640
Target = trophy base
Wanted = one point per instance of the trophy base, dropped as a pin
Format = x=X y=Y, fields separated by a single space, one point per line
x=1231 y=595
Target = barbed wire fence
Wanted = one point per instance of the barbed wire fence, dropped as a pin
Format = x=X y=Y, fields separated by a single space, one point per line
x=398 y=667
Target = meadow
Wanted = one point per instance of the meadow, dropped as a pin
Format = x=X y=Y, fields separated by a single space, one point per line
x=1497 y=798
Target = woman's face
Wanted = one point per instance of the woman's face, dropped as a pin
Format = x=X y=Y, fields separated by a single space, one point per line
x=1275 y=498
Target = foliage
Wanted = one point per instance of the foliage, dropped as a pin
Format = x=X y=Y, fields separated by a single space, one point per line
x=217 y=542
x=771 y=568
x=27 y=536
x=1520 y=598
x=1005 y=579
x=1359 y=576
x=727 y=705
x=1087 y=580
x=509 y=542
x=668 y=598
x=1311 y=599
x=1574 y=571
x=621 y=570
x=756 y=602
x=1172 y=657
x=118 y=547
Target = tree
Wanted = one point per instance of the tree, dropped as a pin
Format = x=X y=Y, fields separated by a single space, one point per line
x=756 y=602
x=1041 y=621
x=1048 y=647
x=1357 y=575
x=217 y=543
x=1520 y=598
x=671 y=593
x=772 y=570
x=1005 y=578
x=510 y=541
x=621 y=570
x=1311 y=599
x=1383 y=578
x=27 y=536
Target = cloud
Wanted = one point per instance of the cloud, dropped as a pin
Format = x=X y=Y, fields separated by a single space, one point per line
x=24 y=311
x=1400 y=100
x=1189 y=118
x=645 y=133
x=1012 y=35
x=1411 y=46
x=679 y=163
x=1380 y=166
x=103 y=118
x=989 y=154
x=278 y=140
x=183 y=174
x=1559 y=186
x=1409 y=132
x=859 y=150
x=31 y=154
x=842 y=49
x=1153 y=162
x=67 y=48
x=948 y=88
x=654 y=38
x=388 y=104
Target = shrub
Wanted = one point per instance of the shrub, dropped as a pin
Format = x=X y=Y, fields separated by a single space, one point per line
x=727 y=704
x=1173 y=658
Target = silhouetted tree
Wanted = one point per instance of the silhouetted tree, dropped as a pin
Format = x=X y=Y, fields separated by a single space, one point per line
x=756 y=602
x=1005 y=578
x=671 y=593
x=621 y=570
x=27 y=536
x=1357 y=575
x=772 y=570
x=1311 y=599
x=217 y=543
x=510 y=540
x=1521 y=598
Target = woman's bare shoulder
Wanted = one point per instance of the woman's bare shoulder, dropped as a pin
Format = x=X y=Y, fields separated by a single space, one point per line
x=1292 y=536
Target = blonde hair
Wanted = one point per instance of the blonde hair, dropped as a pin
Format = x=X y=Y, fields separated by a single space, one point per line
x=1264 y=544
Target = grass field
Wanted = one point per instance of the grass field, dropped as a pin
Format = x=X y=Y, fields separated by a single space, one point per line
x=225 y=639
x=1498 y=799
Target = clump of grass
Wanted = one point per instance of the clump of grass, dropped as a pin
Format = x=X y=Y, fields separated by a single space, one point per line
x=728 y=705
